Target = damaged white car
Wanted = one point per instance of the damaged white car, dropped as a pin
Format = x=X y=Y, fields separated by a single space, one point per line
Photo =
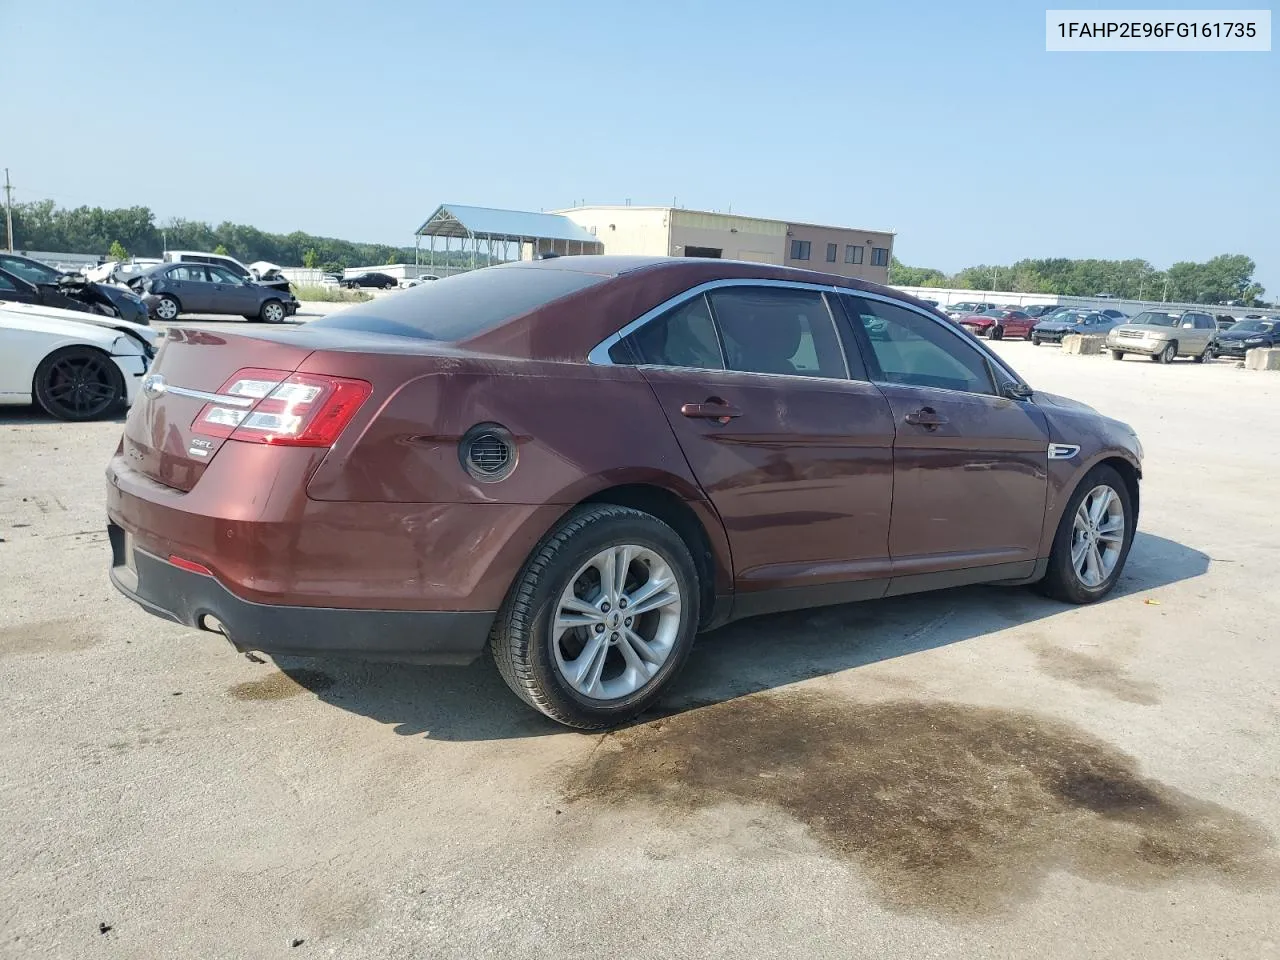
x=76 y=366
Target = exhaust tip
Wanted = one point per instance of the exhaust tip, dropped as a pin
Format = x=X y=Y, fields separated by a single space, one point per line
x=212 y=624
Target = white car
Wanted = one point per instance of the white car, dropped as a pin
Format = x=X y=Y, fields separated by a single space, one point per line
x=77 y=366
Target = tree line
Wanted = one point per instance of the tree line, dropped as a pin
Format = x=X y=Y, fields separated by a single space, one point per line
x=133 y=232
x=1225 y=278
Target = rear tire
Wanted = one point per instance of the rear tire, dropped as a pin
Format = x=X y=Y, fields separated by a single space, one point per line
x=168 y=308
x=1064 y=580
x=538 y=653
x=1029 y=336
x=1207 y=355
x=77 y=384
x=1036 y=341
x=997 y=333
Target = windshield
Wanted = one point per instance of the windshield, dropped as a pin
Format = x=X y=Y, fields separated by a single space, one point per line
x=30 y=270
x=464 y=305
x=1155 y=319
x=1253 y=326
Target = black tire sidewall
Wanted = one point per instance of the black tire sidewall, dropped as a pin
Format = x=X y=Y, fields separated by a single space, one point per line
x=1061 y=580
x=177 y=307
x=262 y=311
x=40 y=387
x=609 y=525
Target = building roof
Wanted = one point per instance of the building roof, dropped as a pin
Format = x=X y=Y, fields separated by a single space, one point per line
x=488 y=223
x=725 y=213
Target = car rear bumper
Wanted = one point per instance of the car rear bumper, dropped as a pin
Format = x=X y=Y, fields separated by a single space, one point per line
x=200 y=601
x=1054 y=336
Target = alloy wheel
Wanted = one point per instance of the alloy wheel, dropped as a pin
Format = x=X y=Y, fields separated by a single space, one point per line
x=1097 y=536
x=167 y=309
x=81 y=387
x=617 y=622
x=273 y=313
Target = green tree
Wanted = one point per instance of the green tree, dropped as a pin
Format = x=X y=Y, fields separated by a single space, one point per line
x=393 y=257
x=117 y=251
x=904 y=276
x=221 y=250
x=310 y=258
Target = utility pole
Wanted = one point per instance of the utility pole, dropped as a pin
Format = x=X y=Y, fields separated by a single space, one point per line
x=8 y=210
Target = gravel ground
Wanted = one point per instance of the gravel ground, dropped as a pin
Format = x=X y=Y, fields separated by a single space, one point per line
x=978 y=772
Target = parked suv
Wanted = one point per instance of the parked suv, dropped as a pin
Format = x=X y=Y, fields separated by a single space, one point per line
x=1162 y=336
x=175 y=288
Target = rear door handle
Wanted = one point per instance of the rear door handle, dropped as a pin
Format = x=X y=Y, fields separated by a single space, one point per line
x=926 y=417
x=713 y=409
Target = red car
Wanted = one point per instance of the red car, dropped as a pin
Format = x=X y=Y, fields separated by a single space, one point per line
x=999 y=324
x=579 y=463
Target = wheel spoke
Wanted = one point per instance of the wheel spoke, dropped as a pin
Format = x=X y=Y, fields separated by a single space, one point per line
x=608 y=567
x=634 y=658
x=652 y=596
x=592 y=661
x=634 y=642
x=1078 y=550
x=621 y=565
x=1099 y=508
x=578 y=605
x=1115 y=535
x=1095 y=564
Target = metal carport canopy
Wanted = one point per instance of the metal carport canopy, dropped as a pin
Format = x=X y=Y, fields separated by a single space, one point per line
x=487 y=223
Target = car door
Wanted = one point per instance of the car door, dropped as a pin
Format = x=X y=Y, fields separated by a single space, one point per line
x=229 y=294
x=795 y=456
x=970 y=465
x=189 y=283
x=17 y=290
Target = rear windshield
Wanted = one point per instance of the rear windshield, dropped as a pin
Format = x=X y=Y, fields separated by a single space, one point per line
x=459 y=307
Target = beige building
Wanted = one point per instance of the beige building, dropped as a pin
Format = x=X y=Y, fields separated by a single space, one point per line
x=674 y=232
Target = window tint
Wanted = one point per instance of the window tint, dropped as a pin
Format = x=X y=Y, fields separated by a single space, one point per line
x=799 y=249
x=771 y=330
x=682 y=337
x=852 y=253
x=912 y=349
x=29 y=271
x=464 y=305
x=189 y=271
x=831 y=252
x=879 y=256
x=6 y=285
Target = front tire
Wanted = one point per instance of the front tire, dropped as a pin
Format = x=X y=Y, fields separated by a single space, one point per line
x=1117 y=354
x=568 y=640
x=1168 y=354
x=1036 y=341
x=78 y=383
x=996 y=333
x=272 y=312
x=1093 y=539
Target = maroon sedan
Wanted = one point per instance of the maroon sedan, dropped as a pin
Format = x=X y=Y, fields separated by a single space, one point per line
x=999 y=324
x=581 y=462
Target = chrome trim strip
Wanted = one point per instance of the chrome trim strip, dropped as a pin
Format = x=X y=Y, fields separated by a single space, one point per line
x=1063 y=451
x=210 y=397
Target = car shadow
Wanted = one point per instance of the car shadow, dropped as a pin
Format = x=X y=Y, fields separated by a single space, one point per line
x=33 y=416
x=473 y=703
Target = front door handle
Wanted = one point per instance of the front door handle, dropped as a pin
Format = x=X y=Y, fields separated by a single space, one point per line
x=713 y=409
x=926 y=417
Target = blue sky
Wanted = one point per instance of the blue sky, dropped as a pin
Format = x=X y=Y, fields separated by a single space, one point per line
x=946 y=122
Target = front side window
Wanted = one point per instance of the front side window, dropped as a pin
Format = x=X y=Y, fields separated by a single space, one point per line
x=799 y=249
x=852 y=253
x=222 y=275
x=831 y=252
x=780 y=331
x=6 y=285
x=682 y=337
x=879 y=256
x=912 y=349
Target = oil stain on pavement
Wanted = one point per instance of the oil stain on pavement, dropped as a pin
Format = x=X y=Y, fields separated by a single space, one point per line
x=279 y=685
x=48 y=636
x=950 y=809
x=1098 y=673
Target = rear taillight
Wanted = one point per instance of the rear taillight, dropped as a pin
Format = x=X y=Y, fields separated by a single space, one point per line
x=275 y=406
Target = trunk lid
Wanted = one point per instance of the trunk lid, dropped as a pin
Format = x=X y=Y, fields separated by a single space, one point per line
x=159 y=441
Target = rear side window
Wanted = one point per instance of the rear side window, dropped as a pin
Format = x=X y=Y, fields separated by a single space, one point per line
x=189 y=272
x=778 y=331
x=462 y=306
x=682 y=337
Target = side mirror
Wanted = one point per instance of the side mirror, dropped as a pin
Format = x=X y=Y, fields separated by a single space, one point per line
x=1018 y=391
